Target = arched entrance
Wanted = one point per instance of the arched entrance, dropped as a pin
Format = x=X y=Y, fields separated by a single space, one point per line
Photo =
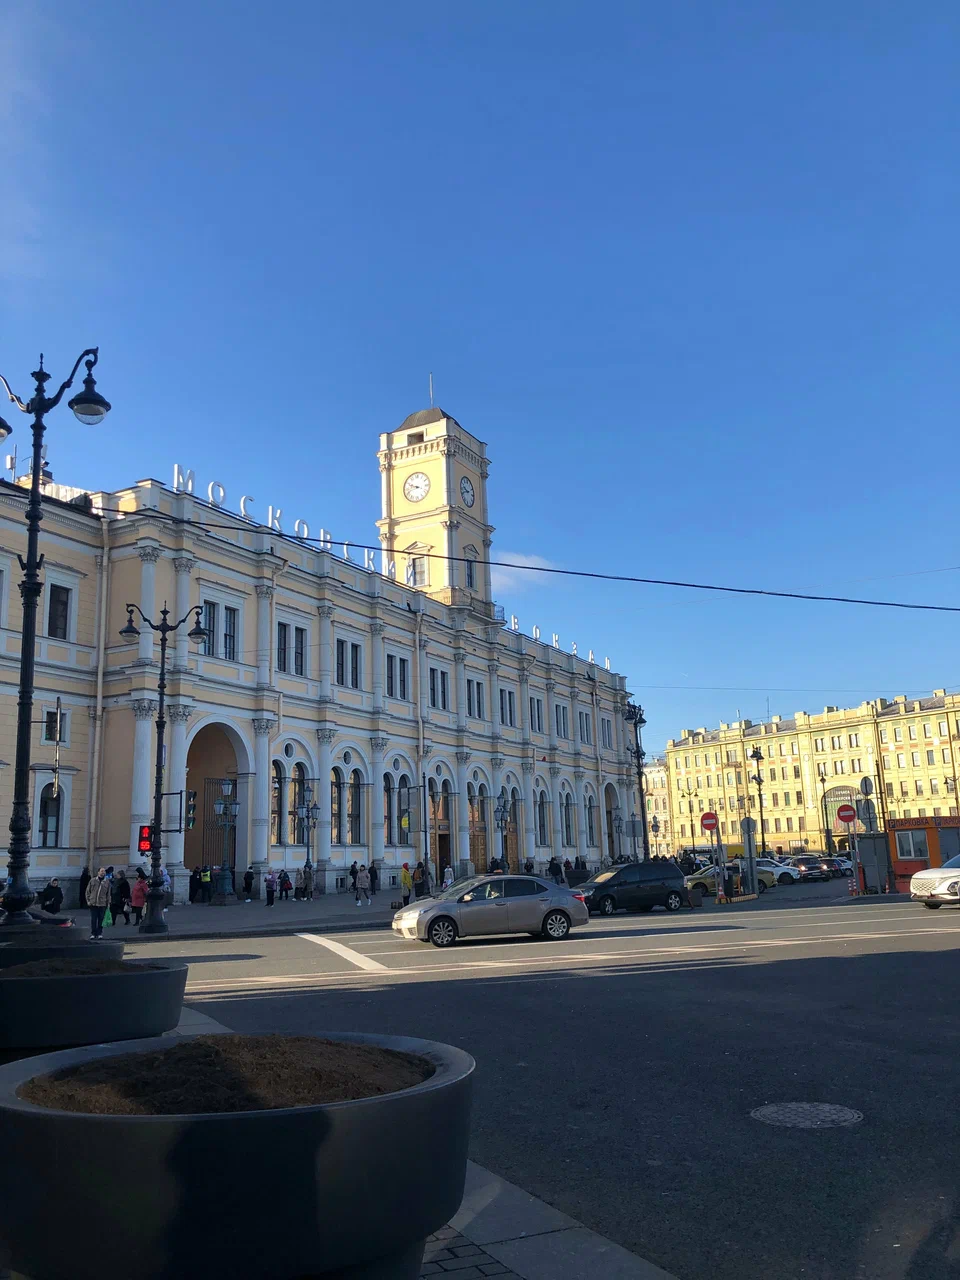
x=211 y=762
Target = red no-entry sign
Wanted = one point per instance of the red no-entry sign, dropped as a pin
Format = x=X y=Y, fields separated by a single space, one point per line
x=708 y=821
x=847 y=813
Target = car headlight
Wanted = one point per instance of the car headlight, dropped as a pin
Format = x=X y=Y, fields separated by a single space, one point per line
x=952 y=887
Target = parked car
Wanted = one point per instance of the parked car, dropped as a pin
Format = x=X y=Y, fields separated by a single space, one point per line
x=834 y=866
x=484 y=905
x=638 y=886
x=810 y=867
x=782 y=871
x=706 y=880
x=936 y=885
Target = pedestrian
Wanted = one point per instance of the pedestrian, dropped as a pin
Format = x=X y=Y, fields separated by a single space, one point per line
x=285 y=884
x=167 y=887
x=206 y=884
x=50 y=896
x=579 y=864
x=554 y=870
x=374 y=879
x=193 y=890
x=98 y=899
x=138 y=894
x=419 y=887
x=353 y=875
x=363 y=884
x=82 y=890
x=406 y=883
x=298 y=885
x=270 y=885
x=247 y=885
x=447 y=876
x=120 y=897
x=307 y=884
x=528 y=867
x=567 y=867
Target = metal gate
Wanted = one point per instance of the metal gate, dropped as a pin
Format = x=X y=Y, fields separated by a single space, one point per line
x=214 y=832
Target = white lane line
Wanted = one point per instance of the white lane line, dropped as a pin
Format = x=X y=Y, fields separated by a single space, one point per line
x=345 y=953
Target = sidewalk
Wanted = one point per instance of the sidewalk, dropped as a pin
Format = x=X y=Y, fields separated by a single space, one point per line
x=502 y=1231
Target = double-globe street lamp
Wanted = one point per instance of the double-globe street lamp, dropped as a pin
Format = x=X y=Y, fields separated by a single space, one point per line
x=308 y=814
x=501 y=814
x=634 y=715
x=756 y=755
x=226 y=808
x=90 y=408
x=154 y=922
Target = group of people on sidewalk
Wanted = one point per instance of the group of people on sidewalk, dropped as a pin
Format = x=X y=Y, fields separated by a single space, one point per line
x=109 y=895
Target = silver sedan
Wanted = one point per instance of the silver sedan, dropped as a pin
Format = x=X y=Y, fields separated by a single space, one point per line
x=484 y=905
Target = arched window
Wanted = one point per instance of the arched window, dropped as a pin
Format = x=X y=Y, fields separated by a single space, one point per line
x=568 y=838
x=49 y=818
x=445 y=793
x=513 y=813
x=387 y=809
x=403 y=810
x=276 y=804
x=354 y=794
x=542 y=818
x=336 y=806
x=591 y=822
x=295 y=826
x=470 y=568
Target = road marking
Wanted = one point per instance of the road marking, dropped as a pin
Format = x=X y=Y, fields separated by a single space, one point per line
x=345 y=953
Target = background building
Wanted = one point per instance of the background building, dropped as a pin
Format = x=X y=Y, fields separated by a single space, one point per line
x=390 y=695
x=657 y=791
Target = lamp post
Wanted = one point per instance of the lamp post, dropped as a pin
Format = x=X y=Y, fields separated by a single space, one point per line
x=655 y=828
x=633 y=831
x=618 y=828
x=634 y=715
x=756 y=755
x=308 y=813
x=691 y=793
x=89 y=407
x=226 y=807
x=154 y=922
x=501 y=814
x=827 y=837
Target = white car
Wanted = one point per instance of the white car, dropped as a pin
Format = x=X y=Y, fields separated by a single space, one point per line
x=937 y=885
x=783 y=871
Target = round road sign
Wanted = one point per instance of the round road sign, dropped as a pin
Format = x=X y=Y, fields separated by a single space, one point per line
x=846 y=813
x=708 y=821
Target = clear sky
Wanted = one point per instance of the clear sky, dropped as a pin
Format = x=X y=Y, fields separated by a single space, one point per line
x=690 y=269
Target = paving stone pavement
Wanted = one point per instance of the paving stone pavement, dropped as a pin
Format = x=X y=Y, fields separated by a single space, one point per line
x=448 y=1253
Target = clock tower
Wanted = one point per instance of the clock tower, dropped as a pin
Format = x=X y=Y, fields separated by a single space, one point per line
x=434 y=524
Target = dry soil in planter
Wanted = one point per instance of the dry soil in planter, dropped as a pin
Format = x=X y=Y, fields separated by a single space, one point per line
x=226 y=1073
x=67 y=968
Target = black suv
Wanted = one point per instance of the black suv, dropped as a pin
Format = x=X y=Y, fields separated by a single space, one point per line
x=636 y=886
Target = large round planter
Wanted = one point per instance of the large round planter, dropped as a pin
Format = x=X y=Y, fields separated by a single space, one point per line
x=47 y=1013
x=63 y=946
x=263 y=1195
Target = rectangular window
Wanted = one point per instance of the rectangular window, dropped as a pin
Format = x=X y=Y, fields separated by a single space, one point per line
x=943 y=728
x=897 y=734
x=776 y=824
x=839 y=766
x=418 y=571
x=732 y=757
x=836 y=743
x=508 y=707
x=776 y=799
x=341 y=662
x=58 y=615
x=912 y=732
x=926 y=731
x=355 y=667
x=901 y=760
x=854 y=739
x=931 y=757
x=789 y=824
x=904 y=789
x=883 y=735
x=945 y=753
x=438 y=688
x=919 y=787
x=800 y=799
x=818 y=744
x=470 y=574
x=794 y=749
x=912 y=845
x=856 y=766
x=821 y=769
x=606 y=731
x=391 y=676
x=283 y=635
x=915 y=759
x=299 y=650
x=230 y=633
x=889 y=790
x=471 y=699
x=796 y=771
x=208 y=645
x=563 y=720
x=404 y=678
x=481 y=713
x=536 y=714
x=934 y=786
x=586 y=734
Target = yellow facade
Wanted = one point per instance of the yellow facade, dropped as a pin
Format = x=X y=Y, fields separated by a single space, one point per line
x=906 y=747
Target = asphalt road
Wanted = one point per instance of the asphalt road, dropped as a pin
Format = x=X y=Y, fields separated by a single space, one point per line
x=617 y=1071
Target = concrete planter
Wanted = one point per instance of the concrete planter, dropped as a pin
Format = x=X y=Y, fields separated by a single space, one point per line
x=310 y=1169
x=64 y=945
x=46 y=1013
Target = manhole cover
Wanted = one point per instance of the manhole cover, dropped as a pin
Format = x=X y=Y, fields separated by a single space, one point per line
x=807 y=1115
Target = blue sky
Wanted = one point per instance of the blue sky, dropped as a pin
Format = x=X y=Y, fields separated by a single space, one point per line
x=689 y=269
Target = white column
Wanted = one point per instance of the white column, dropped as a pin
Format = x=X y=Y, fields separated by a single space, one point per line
x=578 y=776
x=460 y=675
x=557 y=843
x=466 y=867
x=377 y=746
x=262 y=730
x=183 y=568
x=149 y=555
x=376 y=644
x=144 y=713
x=176 y=780
x=326 y=652
x=495 y=844
x=529 y=814
x=264 y=598
x=325 y=738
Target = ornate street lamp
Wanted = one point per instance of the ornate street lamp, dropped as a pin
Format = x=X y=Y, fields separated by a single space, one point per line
x=154 y=922
x=655 y=828
x=618 y=828
x=308 y=813
x=634 y=715
x=827 y=836
x=756 y=755
x=226 y=807
x=90 y=408
x=501 y=814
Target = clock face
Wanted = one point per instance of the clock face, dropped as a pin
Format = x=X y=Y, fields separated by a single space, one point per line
x=416 y=487
x=466 y=492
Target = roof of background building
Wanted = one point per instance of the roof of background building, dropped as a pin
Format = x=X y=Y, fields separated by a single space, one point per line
x=423 y=417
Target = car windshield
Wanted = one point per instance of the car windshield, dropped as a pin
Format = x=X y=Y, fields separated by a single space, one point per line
x=949 y=866
x=600 y=877
x=459 y=888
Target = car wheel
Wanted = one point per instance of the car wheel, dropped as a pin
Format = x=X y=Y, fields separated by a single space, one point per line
x=933 y=906
x=442 y=932
x=673 y=901
x=607 y=906
x=556 y=926
x=761 y=887
x=785 y=879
